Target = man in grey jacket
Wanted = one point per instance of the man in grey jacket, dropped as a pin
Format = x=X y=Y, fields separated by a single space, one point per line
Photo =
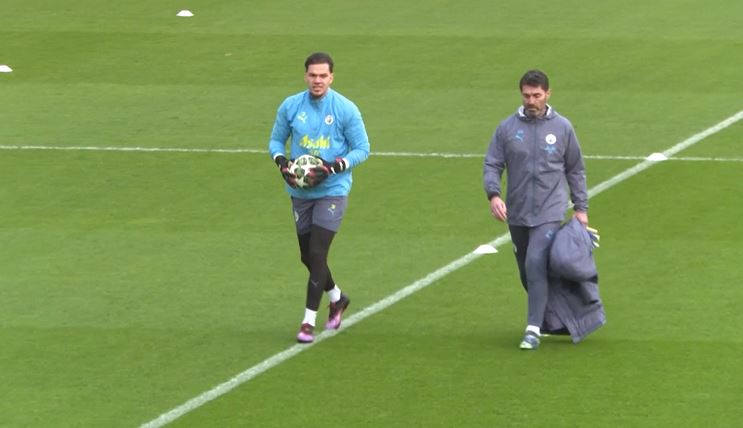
x=540 y=152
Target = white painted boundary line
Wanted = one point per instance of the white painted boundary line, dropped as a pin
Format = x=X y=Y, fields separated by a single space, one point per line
x=429 y=279
x=389 y=154
x=668 y=153
x=131 y=149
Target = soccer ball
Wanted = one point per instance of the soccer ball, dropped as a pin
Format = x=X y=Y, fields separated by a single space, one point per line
x=302 y=166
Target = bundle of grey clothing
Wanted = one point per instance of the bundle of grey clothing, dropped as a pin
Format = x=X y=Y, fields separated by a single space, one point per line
x=574 y=306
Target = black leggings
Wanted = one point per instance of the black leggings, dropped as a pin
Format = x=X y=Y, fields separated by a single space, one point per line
x=314 y=247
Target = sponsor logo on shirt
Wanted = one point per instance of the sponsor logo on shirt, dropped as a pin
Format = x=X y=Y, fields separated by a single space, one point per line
x=520 y=135
x=302 y=116
x=321 y=142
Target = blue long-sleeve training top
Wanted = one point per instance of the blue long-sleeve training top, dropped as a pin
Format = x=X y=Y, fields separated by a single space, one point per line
x=329 y=127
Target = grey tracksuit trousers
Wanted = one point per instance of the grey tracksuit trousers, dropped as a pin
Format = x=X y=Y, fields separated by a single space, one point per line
x=532 y=250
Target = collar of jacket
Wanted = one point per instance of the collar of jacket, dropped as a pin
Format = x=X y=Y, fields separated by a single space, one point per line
x=318 y=101
x=547 y=115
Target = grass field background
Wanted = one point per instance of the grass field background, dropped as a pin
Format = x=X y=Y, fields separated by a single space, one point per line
x=131 y=282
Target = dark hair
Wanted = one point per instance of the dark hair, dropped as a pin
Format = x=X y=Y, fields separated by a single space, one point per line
x=318 y=58
x=535 y=78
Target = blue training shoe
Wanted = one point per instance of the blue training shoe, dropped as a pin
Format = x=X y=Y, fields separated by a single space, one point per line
x=530 y=341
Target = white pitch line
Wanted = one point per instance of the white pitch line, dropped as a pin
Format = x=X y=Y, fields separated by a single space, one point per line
x=706 y=159
x=676 y=158
x=131 y=149
x=668 y=153
x=389 y=154
x=390 y=300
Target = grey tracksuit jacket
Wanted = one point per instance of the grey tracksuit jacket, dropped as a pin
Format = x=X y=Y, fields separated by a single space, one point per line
x=543 y=159
x=574 y=306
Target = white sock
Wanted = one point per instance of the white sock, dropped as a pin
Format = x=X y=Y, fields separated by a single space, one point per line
x=334 y=294
x=534 y=329
x=309 y=317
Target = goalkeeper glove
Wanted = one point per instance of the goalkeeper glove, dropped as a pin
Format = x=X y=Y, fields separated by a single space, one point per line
x=284 y=164
x=336 y=167
x=316 y=175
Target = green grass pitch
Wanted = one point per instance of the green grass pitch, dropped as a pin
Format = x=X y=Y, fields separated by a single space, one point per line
x=133 y=281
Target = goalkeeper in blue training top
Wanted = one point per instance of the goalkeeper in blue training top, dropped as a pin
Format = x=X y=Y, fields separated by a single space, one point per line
x=325 y=124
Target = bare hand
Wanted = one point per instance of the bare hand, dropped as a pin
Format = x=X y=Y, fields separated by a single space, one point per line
x=582 y=217
x=498 y=208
